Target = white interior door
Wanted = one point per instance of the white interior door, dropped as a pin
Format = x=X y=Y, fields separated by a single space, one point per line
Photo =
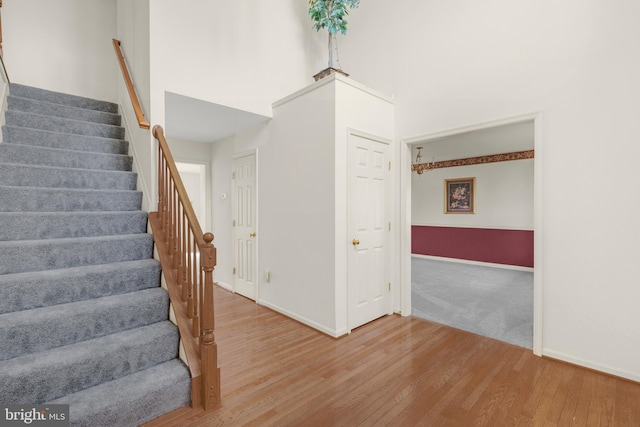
x=369 y=294
x=244 y=225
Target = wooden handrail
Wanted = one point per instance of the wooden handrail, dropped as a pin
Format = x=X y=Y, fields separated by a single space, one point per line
x=1 y=47
x=1 y=52
x=142 y=121
x=188 y=258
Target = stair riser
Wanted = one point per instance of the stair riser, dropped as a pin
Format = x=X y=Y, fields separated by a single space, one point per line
x=34 y=121
x=51 y=139
x=33 y=199
x=158 y=390
x=41 y=156
x=83 y=365
x=47 y=109
x=26 y=291
x=61 y=98
x=13 y=174
x=40 y=255
x=60 y=225
x=33 y=331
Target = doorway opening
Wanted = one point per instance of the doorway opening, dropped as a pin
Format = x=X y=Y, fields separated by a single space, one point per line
x=193 y=177
x=493 y=247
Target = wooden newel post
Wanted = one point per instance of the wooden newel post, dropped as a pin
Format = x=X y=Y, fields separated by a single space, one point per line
x=208 y=346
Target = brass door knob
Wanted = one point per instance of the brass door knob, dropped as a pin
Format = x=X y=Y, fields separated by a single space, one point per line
x=355 y=242
x=252 y=234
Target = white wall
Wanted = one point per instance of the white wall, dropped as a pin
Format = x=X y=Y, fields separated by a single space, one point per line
x=221 y=205
x=456 y=63
x=133 y=33
x=296 y=202
x=243 y=55
x=303 y=209
x=63 y=45
x=239 y=54
x=504 y=196
x=449 y=64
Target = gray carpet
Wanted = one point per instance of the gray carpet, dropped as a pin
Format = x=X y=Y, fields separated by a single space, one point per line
x=489 y=301
x=83 y=319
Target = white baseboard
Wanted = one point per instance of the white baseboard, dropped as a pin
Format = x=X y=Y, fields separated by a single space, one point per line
x=484 y=264
x=225 y=286
x=322 y=328
x=4 y=93
x=591 y=365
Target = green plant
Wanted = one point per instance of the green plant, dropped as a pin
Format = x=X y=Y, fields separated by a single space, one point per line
x=331 y=14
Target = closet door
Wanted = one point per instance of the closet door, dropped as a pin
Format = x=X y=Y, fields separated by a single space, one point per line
x=368 y=286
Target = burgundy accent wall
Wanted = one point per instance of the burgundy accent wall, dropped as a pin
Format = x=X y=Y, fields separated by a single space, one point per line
x=511 y=247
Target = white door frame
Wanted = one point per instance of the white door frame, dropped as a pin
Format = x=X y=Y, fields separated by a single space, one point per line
x=233 y=229
x=405 y=216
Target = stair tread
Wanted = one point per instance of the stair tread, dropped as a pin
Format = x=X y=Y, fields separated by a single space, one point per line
x=133 y=399
x=66 y=125
x=71 y=170
x=71 y=213
x=38 y=106
x=73 y=240
x=44 y=176
x=53 y=373
x=69 y=159
x=67 y=151
x=33 y=92
x=36 y=255
x=71 y=271
x=36 y=289
x=55 y=225
x=39 y=329
x=43 y=199
x=55 y=139
x=53 y=190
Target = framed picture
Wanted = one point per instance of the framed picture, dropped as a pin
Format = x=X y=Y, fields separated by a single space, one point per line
x=459 y=195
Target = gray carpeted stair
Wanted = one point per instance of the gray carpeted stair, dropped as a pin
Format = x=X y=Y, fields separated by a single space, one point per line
x=61 y=124
x=15 y=174
x=57 y=110
x=45 y=199
x=121 y=354
x=58 y=225
x=83 y=319
x=19 y=256
x=24 y=291
x=53 y=139
x=60 y=157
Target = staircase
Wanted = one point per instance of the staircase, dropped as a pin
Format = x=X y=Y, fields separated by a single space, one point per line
x=83 y=319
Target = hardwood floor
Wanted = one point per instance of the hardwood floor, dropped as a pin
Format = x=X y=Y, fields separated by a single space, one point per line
x=395 y=371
